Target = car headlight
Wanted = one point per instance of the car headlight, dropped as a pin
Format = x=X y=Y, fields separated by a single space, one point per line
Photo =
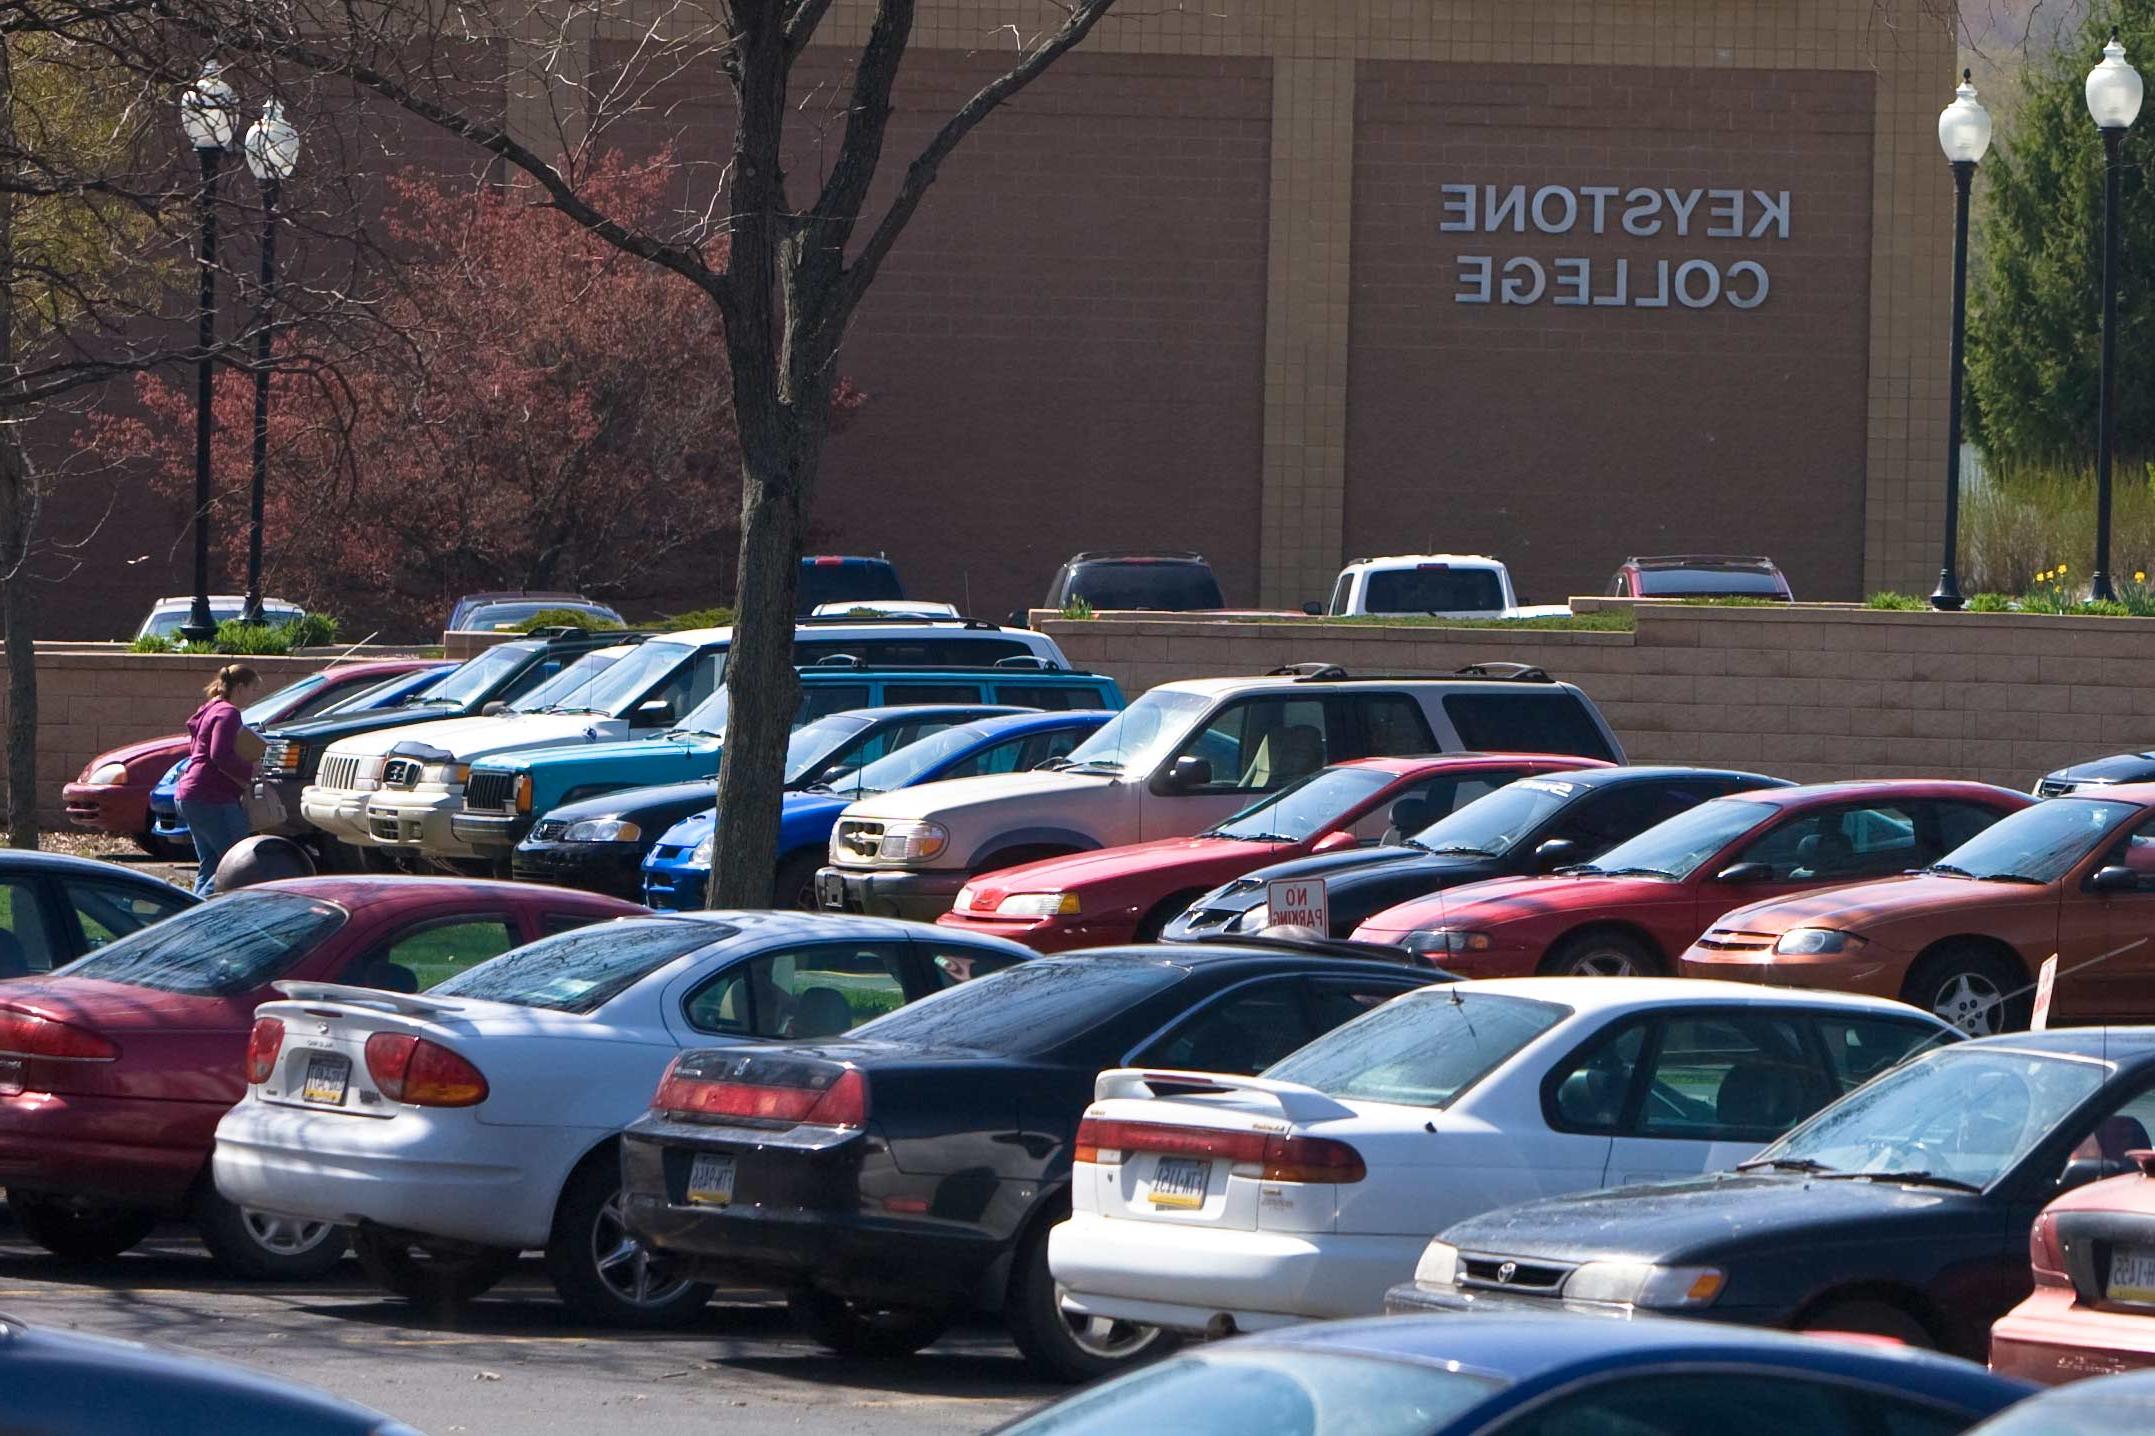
x=602 y=830
x=449 y=775
x=1638 y=1283
x=108 y=775
x=1439 y=1265
x=1447 y=941
x=1038 y=905
x=283 y=759
x=702 y=855
x=1255 y=919
x=912 y=842
x=1809 y=941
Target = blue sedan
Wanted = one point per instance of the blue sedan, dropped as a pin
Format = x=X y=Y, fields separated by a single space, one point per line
x=1536 y=1376
x=678 y=868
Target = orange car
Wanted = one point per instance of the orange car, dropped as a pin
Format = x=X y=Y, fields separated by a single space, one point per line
x=2093 y=1250
x=1965 y=937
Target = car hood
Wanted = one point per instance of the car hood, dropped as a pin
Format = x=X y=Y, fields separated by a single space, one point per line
x=118 y=1007
x=1133 y=860
x=1499 y=899
x=634 y=802
x=576 y=753
x=2117 y=768
x=470 y=738
x=1865 y=906
x=957 y=795
x=1333 y=867
x=1700 y=1218
x=152 y=755
x=331 y=730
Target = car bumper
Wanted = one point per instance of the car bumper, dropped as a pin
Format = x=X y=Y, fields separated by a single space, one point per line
x=920 y=897
x=675 y=887
x=101 y=1148
x=2050 y=1338
x=1043 y=936
x=1413 y=1298
x=1872 y=974
x=120 y=810
x=612 y=868
x=491 y=834
x=442 y=1175
x=339 y=812
x=1170 y=1274
x=417 y=820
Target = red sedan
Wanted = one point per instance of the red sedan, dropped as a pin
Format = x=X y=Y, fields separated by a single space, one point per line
x=115 y=1071
x=1128 y=894
x=112 y=794
x=2093 y=1250
x=1633 y=909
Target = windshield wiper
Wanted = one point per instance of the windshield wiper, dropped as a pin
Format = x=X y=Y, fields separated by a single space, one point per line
x=1253 y=837
x=1459 y=850
x=1052 y=765
x=1948 y=870
x=1104 y=765
x=2010 y=878
x=1632 y=873
x=1785 y=1164
x=1913 y=1179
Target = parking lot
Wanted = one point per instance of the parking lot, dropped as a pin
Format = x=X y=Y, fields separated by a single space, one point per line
x=513 y=1362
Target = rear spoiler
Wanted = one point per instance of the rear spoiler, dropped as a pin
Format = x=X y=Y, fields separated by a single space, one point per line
x=407 y=1004
x=1297 y=1103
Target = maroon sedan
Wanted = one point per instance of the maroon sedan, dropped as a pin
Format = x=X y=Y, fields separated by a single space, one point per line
x=115 y=1070
x=112 y=793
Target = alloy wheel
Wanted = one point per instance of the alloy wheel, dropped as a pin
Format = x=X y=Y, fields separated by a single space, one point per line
x=285 y=1236
x=1106 y=1338
x=1604 y=962
x=1971 y=1002
x=629 y=1268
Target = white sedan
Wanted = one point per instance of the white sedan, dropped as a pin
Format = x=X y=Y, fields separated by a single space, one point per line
x=1218 y=1204
x=456 y=1128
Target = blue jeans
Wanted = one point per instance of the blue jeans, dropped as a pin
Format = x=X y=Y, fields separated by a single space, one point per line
x=216 y=828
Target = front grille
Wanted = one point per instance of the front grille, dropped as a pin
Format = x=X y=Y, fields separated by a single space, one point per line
x=490 y=792
x=552 y=830
x=1723 y=939
x=401 y=773
x=1498 y=1273
x=339 y=771
x=2052 y=788
x=859 y=838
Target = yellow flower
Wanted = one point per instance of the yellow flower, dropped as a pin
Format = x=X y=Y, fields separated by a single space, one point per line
x=2062 y=569
x=2140 y=575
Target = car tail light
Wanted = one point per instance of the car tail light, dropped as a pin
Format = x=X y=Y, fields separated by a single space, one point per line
x=28 y=1034
x=422 y=1073
x=1265 y=1156
x=263 y=1045
x=2046 y=1254
x=843 y=1103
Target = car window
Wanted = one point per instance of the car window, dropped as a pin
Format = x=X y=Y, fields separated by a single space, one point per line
x=1729 y=1079
x=1715 y=1403
x=820 y=700
x=217 y=949
x=582 y=971
x=1341 y=593
x=1604 y=818
x=2136 y=853
x=1956 y=824
x=1551 y=721
x=417 y=959
x=898 y=694
x=1243 y=1031
x=1033 y=1007
x=1433 y=588
x=1336 y=1001
x=1840 y=844
x=325 y=695
x=557 y=922
x=1050 y=697
x=954 y=962
x=1437 y=797
x=1260 y=744
x=1393 y=726
x=110 y=911
x=814 y=990
x=1859 y=1048
x=1008 y=756
x=1589 y=1090
x=1424 y=1050
x=672 y=700
x=2122 y=1130
x=26 y=939
x=1146 y=584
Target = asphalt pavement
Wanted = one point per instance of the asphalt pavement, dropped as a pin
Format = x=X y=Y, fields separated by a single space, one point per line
x=516 y=1362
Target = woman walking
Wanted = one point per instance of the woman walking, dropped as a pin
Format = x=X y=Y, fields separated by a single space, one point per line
x=209 y=791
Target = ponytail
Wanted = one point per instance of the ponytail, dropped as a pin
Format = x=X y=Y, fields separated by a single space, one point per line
x=229 y=677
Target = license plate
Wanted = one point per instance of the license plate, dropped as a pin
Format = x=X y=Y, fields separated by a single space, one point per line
x=830 y=892
x=2132 y=1275
x=1180 y=1182
x=710 y=1180
x=326 y=1079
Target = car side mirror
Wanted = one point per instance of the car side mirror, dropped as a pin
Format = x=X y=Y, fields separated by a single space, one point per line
x=1555 y=853
x=1744 y=873
x=1333 y=842
x=497 y=706
x=1313 y=608
x=2113 y=879
x=1188 y=773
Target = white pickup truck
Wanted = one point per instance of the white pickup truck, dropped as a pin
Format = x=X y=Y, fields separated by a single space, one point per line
x=1436 y=585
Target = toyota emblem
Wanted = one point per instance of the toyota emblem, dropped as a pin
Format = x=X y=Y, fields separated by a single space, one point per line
x=1506 y=1272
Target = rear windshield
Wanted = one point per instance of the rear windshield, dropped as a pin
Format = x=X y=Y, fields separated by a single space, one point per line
x=1671 y=582
x=1435 y=589
x=1028 y=1008
x=1552 y=721
x=582 y=971
x=838 y=582
x=1146 y=585
x=1423 y=1051
x=221 y=948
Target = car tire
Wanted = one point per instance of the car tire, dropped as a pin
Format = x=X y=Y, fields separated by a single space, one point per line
x=1064 y=1347
x=795 y=885
x=863 y=1332
x=79 y=1234
x=427 y=1273
x=259 y=1246
x=1868 y=1316
x=602 y=1273
x=1971 y=987
x=1602 y=952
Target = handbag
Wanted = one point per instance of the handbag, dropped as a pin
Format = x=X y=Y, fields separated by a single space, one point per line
x=264 y=808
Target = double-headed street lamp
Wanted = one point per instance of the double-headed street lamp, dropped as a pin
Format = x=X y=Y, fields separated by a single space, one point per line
x=2114 y=93
x=1964 y=135
x=272 y=148
x=209 y=117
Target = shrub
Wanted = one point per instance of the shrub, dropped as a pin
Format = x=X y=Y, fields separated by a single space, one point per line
x=1077 y=606
x=2016 y=527
x=236 y=637
x=1896 y=601
x=697 y=618
x=311 y=630
x=1991 y=603
x=568 y=618
x=152 y=643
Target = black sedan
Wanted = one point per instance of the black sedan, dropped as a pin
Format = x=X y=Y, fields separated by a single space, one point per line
x=2097 y=773
x=1902 y=1210
x=1534 y=825
x=895 y=1178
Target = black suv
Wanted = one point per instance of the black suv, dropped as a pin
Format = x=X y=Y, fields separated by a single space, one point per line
x=1175 y=582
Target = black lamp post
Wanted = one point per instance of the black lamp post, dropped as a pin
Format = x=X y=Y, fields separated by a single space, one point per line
x=272 y=149
x=207 y=116
x=2114 y=93
x=1964 y=134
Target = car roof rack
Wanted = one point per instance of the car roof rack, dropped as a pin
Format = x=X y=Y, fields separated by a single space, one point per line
x=841 y=620
x=1501 y=672
x=1026 y=663
x=1189 y=555
x=1319 y=946
x=1506 y=671
x=600 y=636
x=1676 y=560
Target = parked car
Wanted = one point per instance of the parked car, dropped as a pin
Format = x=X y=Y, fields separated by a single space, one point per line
x=509 y=607
x=1133 y=579
x=55 y=907
x=2092 y=1255
x=112 y=793
x=1180 y=759
x=1700 y=575
x=533 y=1062
x=677 y=871
x=886 y=608
x=1557 y=1376
x=69 y=1383
x=1438 y=585
x=1965 y=937
x=828 y=578
x=117 y=1069
x=1902 y=1210
x=847 y=715
x=1532 y=826
x=2105 y=1406
x=1130 y=893
x=1219 y=1204
x=2097 y=773
x=168 y=616
x=1632 y=911
x=893 y=1179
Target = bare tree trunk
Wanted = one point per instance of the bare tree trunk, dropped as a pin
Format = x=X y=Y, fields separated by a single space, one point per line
x=17 y=506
